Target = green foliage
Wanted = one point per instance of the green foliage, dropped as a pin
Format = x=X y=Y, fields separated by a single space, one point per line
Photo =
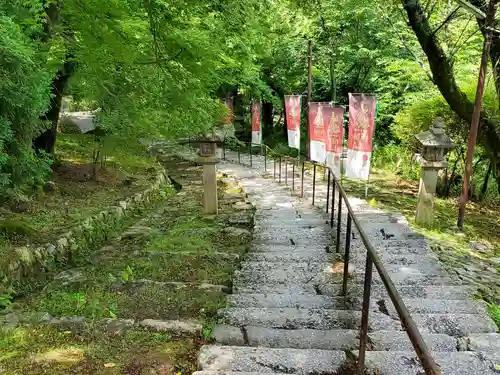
x=495 y=313
x=13 y=228
x=5 y=300
x=398 y=159
x=127 y=274
x=24 y=96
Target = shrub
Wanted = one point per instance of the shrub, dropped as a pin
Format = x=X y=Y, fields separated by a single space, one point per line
x=24 y=97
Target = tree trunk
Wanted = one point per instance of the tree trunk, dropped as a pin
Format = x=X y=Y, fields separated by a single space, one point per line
x=46 y=141
x=442 y=72
x=451 y=179
x=267 y=119
x=333 y=81
x=485 y=182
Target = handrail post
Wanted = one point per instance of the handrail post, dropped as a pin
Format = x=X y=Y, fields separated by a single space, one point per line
x=328 y=192
x=347 y=254
x=286 y=172
x=280 y=171
x=314 y=183
x=339 y=222
x=250 y=151
x=363 y=333
x=302 y=182
x=265 y=160
x=333 y=203
x=293 y=175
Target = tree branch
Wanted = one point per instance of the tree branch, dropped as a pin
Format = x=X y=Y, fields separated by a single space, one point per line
x=444 y=78
x=447 y=19
x=424 y=68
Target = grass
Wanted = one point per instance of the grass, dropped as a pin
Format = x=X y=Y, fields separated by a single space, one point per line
x=45 y=350
x=129 y=169
x=494 y=310
x=176 y=243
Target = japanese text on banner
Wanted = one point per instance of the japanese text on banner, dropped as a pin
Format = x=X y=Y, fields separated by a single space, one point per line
x=334 y=138
x=256 y=124
x=362 y=109
x=317 y=133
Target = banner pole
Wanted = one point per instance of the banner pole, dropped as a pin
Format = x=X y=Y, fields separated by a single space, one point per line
x=366 y=187
x=309 y=95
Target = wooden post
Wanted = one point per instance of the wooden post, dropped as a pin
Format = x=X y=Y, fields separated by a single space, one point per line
x=309 y=95
x=208 y=158
x=471 y=145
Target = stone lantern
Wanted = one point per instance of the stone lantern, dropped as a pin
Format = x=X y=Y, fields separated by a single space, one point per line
x=433 y=145
x=207 y=157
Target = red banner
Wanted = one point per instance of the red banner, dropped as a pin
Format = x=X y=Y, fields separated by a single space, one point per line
x=362 y=110
x=361 y=122
x=292 y=109
x=335 y=129
x=317 y=135
x=256 y=124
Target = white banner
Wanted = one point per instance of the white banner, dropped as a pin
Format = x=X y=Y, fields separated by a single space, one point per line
x=294 y=139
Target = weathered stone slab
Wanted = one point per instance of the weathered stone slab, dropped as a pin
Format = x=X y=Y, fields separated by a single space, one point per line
x=262 y=360
x=290 y=318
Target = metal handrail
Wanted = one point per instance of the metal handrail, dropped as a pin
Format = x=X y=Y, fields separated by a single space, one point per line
x=428 y=363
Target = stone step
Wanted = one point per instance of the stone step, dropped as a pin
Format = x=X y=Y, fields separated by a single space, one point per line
x=271 y=241
x=406 y=291
x=293 y=318
x=329 y=267
x=482 y=342
x=451 y=363
x=302 y=301
x=287 y=288
x=309 y=301
x=317 y=226
x=293 y=256
x=388 y=259
x=294 y=275
x=399 y=341
x=438 y=306
x=343 y=339
x=456 y=325
x=288 y=248
x=229 y=373
x=270 y=360
x=304 y=237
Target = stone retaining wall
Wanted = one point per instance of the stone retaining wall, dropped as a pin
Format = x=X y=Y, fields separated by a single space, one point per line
x=27 y=261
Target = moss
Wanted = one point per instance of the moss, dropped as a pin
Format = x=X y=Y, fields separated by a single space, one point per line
x=46 y=351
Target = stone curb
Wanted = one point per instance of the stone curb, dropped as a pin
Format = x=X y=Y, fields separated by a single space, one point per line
x=113 y=326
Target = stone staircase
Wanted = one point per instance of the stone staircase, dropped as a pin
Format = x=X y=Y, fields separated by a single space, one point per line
x=286 y=314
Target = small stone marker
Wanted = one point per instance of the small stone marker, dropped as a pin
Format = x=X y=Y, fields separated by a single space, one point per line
x=434 y=145
x=208 y=159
